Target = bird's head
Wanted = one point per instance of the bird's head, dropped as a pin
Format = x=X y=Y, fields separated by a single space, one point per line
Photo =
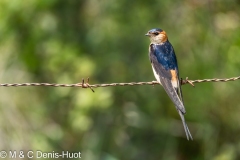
x=157 y=36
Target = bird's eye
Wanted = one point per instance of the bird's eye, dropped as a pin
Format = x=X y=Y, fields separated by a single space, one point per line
x=156 y=33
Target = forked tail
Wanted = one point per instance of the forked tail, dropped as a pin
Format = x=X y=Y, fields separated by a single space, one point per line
x=188 y=134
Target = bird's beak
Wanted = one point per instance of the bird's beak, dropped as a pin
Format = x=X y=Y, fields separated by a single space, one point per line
x=147 y=34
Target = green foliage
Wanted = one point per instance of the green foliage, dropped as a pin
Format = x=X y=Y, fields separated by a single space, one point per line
x=64 y=41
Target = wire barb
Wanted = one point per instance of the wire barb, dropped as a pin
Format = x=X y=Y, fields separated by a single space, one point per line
x=87 y=85
x=186 y=81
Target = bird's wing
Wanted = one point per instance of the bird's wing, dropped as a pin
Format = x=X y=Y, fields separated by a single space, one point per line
x=166 y=72
x=170 y=82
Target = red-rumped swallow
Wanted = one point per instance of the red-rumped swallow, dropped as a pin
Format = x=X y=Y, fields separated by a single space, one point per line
x=165 y=69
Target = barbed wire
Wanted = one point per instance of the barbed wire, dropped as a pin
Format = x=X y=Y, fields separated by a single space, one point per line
x=91 y=86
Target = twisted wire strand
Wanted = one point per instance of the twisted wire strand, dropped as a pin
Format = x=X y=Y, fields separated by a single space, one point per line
x=87 y=85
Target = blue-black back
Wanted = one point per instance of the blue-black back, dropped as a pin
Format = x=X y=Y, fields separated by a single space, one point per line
x=165 y=55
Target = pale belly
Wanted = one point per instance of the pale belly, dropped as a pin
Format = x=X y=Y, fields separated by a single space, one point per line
x=156 y=75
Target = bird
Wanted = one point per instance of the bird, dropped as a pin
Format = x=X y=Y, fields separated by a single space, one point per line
x=165 y=69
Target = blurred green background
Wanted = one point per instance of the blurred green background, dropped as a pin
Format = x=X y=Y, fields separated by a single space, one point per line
x=59 y=41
